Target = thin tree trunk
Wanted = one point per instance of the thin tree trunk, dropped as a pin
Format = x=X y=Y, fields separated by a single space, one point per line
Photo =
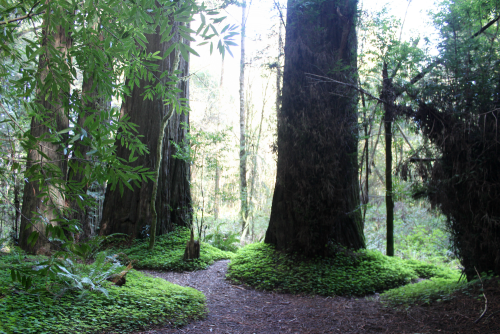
x=388 y=93
x=17 y=207
x=365 y=198
x=91 y=103
x=217 y=168
x=279 y=74
x=243 y=154
x=254 y=160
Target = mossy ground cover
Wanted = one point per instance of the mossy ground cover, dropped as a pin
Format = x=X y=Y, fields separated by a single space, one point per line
x=359 y=273
x=436 y=289
x=141 y=303
x=168 y=253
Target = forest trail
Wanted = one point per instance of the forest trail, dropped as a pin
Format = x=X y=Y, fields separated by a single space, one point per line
x=237 y=309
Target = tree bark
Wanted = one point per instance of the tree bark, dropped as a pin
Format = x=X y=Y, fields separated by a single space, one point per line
x=389 y=95
x=17 y=205
x=316 y=197
x=131 y=213
x=38 y=212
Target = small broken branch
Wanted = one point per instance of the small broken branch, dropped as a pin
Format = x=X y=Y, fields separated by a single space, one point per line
x=417 y=159
x=20 y=18
x=327 y=79
x=485 y=299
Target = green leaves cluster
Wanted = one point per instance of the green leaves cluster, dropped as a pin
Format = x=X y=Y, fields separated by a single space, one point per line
x=168 y=253
x=359 y=273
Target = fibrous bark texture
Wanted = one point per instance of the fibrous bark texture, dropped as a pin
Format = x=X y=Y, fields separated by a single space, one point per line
x=316 y=198
x=38 y=212
x=131 y=213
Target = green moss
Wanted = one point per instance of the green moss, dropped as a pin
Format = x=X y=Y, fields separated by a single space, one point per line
x=358 y=273
x=169 y=251
x=436 y=289
x=424 y=292
x=141 y=303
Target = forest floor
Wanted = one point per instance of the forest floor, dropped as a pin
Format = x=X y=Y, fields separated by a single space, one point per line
x=241 y=309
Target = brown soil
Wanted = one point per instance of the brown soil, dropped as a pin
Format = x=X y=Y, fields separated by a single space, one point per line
x=240 y=309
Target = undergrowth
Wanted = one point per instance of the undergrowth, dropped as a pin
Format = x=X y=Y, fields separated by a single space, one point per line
x=168 y=253
x=360 y=273
x=436 y=289
x=424 y=292
x=142 y=302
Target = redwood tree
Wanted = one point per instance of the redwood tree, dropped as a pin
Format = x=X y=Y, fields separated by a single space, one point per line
x=316 y=197
x=43 y=199
x=130 y=213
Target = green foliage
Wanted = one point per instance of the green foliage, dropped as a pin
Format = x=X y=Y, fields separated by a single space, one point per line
x=424 y=292
x=168 y=253
x=226 y=241
x=89 y=250
x=426 y=270
x=347 y=273
x=419 y=232
x=84 y=278
x=142 y=302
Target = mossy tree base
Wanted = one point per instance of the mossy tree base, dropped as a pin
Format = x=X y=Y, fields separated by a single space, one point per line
x=346 y=273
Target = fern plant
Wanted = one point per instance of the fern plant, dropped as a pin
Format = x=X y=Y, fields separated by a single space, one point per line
x=226 y=241
x=71 y=275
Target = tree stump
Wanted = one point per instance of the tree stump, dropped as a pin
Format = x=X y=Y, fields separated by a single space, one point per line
x=192 y=248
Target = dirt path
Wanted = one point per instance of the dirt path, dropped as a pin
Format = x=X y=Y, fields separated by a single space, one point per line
x=234 y=309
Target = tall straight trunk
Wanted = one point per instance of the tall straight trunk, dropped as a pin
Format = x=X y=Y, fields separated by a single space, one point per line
x=316 y=197
x=91 y=103
x=255 y=163
x=158 y=158
x=243 y=154
x=279 y=75
x=131 y=213
x=17 y=206
x=39 y=211
x=365 y=158
x=217 y=167
x=75 y=174
x=388 y=93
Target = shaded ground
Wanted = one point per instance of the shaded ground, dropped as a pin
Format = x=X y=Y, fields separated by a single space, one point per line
x=238 y=309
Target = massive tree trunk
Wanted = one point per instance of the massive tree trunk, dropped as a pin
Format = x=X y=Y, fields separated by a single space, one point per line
x=131 y=212
x=39 y=211
x=316 y=198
